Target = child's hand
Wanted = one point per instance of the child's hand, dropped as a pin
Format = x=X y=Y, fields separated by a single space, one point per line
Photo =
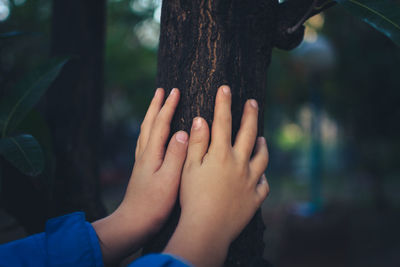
x=221 y=188
x=153 y=186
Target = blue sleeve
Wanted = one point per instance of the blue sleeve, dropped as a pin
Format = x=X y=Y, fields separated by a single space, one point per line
x=159 y=260
x=68 y=241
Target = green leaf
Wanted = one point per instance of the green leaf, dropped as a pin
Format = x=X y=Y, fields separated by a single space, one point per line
x=26 y=94
x=383 y=15
x=24 y=153
x=36 y=125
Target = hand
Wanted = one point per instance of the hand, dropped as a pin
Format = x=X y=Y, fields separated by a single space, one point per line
x=221 y=188
x=154 y=183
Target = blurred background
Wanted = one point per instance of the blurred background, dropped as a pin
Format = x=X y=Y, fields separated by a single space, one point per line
x=332 y=123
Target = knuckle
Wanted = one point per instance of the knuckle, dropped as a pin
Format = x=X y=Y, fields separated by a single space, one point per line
x=228 y=119
x=175 y=151
x=249 y=135
x=224 y=117
x=162 y=131
x=223 y=155
x=197 y=138
x=161 y=117
x=242 y=157
x=189 y=164
x=164 y=114
x=243 y=169
x=169 y=174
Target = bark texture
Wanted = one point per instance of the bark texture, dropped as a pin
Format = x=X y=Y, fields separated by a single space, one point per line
x=73 y=105
x=203 y=45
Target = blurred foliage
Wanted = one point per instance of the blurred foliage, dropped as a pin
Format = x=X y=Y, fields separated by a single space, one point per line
x=26 y=74
x=359 y=91
x=383 y=15
x=130 y=66
x=22 y=150
x=25 y=51
x=26 y=93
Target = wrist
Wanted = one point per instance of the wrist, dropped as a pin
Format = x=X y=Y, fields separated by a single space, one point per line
x=131 y=229
x=200 y=244
x=119 y=235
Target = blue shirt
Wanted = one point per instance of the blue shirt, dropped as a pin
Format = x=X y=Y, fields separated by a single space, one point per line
x=69 y=241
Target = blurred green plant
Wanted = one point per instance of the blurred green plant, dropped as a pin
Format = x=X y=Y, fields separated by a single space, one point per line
x=22 y=150
x=383 y=15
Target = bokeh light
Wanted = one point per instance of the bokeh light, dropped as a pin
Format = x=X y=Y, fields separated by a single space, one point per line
x=4 y=9
x=19 y=2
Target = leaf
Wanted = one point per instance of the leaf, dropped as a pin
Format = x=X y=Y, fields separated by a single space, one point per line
x=36 y=125
x=26 y=94
x=24 y=153
x=383 y=15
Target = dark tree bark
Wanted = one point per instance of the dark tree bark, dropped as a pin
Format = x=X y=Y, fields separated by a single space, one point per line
x=74 y=105
x=208 y=43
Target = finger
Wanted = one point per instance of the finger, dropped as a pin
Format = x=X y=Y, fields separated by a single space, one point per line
x=247 y=134
x=259 y=162
x=262 y=189
x=198 y=141
x=175 y=155
x=159 y=133
x=221 y=131
x=138 y=150
x=148 y=120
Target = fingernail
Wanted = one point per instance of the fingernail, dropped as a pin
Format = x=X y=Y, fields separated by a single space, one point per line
x=181 y=137
x=263 y=179
x=253 y=103
x=197 y=122
x=226 y=90
x=173 y=91
x=157 y=91
x=261 y=140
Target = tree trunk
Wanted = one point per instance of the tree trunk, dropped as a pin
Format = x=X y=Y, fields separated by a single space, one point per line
x=208 y=43
x=74 y=105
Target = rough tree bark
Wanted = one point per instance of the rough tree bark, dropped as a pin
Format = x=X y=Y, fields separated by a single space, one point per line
x=74 y=104
x=208 y=43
